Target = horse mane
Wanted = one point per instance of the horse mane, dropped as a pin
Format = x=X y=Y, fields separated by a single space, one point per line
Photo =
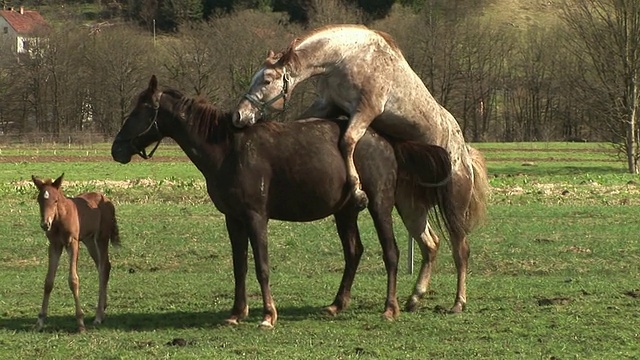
x=389 y=39
x=201 y=117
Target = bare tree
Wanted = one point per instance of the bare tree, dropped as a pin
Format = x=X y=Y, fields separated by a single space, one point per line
x=116 y=62
x=604 y=34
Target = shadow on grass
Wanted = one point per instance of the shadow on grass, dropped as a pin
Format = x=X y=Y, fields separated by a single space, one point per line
x=158 y=321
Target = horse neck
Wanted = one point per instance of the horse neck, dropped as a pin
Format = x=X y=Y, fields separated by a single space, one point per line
x=62 y=207
x=315 y=57
x=201 y=131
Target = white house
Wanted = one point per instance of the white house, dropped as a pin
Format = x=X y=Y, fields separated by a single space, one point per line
x=21 y=28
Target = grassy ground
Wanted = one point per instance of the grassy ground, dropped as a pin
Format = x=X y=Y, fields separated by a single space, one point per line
x=553 y=273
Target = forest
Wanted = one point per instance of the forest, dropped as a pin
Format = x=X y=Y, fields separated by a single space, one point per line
x=508 y=70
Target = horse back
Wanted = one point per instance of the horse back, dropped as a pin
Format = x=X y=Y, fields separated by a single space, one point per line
x=95 y=213
x=300 y=170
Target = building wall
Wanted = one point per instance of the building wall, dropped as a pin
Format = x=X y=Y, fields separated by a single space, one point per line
x=8 y=35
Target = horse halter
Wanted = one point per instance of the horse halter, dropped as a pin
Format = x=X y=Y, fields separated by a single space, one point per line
x=154 y=124
x=263 y=105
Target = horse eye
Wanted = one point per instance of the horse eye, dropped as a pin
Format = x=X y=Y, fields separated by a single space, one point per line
x=267 y=82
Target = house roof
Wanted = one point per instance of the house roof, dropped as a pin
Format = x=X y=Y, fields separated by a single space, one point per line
x=24 y=21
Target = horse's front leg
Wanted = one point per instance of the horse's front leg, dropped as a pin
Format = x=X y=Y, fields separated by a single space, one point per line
x=55 y=250
x=74 y=283
x=347 y=226
x=259 y=244
x=239 y=244
x=355 y=131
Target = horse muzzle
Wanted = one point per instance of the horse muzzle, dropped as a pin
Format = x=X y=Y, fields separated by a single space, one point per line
x=122 y=152
x=46 y=224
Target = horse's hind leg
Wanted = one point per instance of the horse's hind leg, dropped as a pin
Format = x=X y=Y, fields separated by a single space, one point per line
x=414 y=216
x=74 y=282
x=98 y=248
x=347 y=226
x=461 y=252
x=55 y=250
x=383 y=223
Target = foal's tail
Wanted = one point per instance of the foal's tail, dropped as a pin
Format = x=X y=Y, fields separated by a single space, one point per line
x=114 y=230
x=477 y=210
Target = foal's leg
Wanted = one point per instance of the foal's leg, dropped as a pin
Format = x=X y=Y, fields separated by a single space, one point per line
x=358 y=125
x=383 y=223
x=74 y=283
x=98 y=248
x=239 y=245
x=347 y=225
x=258 y=238
x=414 y=216
x=55 y=250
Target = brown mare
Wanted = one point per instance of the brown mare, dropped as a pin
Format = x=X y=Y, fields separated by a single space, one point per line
x=90 y=218
x=285 y=171
x=363 y=73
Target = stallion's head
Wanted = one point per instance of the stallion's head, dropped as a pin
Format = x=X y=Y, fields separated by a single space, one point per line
x=270 y=88
x=49 y=194
x=140 y=128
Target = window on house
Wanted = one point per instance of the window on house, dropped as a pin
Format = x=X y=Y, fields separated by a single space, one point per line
x=5 y=30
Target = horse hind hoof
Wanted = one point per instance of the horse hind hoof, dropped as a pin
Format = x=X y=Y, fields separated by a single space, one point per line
x=265 y=325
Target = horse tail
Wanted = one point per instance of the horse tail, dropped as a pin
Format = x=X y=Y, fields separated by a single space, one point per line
x=427 y=170
x=477 y=210
x=115 y=231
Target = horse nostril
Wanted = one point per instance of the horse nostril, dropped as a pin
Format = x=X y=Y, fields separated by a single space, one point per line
x=236 y=120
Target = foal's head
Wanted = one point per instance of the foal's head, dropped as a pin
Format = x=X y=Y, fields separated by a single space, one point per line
x=49 y=193
x=268 y=92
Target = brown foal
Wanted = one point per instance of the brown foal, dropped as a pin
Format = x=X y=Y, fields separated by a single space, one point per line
x=89 y=218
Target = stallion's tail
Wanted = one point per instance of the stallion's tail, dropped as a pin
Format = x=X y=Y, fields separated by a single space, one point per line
x=427 y=170
x=477 y=210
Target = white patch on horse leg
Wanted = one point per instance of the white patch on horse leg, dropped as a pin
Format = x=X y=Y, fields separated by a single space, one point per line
x=262 y=187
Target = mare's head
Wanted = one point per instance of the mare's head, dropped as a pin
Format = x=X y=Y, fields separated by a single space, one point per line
x=269 y=90
x=140 y=128
x=49 y=194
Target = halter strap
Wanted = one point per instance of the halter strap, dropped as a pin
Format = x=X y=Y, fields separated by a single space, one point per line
x=154 y=124
x=263 y=105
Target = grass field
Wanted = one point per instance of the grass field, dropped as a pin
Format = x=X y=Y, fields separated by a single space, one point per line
x=554 y=272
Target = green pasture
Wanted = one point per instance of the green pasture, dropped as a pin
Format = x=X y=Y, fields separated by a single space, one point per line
x=553 y=274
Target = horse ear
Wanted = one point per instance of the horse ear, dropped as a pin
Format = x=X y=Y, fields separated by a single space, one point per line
x=153 y=83
x=270 y=54
x=37 y=181
x=58 y=182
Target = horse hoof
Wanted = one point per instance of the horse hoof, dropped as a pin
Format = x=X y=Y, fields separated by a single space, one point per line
x=457 y=308
x=411 y=305
x=81 y=329
x=389 y=315
x=231 y=322
x=265 y=325
x=362 y=201
x=331 y=310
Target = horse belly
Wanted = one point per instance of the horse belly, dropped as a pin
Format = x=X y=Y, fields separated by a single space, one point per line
x=314 y=196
